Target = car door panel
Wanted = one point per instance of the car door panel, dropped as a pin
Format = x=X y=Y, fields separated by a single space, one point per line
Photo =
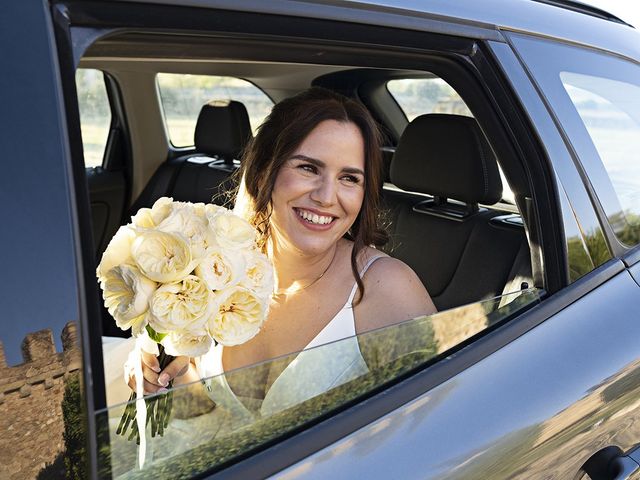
x=537 y=408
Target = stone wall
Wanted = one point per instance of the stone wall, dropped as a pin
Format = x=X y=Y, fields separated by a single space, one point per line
x=31 y=396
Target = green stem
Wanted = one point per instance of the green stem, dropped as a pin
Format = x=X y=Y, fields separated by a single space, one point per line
x=158 y=408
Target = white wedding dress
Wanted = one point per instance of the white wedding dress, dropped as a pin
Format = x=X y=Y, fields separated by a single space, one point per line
x=332 y=358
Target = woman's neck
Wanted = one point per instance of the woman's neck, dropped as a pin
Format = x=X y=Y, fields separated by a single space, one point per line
x=295 y=271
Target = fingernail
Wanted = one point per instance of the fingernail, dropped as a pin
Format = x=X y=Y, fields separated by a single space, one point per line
x=162 y=390
x=163 y=379
x=156 y=369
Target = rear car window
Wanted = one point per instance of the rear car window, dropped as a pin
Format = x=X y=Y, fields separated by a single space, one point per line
x=95 y=114
x=610 y=110
x=420 y=96
x=183 y=96
x=417 y=96
x=596 y=97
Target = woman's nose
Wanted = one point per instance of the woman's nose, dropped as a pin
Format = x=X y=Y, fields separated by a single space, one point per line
x=324 y=192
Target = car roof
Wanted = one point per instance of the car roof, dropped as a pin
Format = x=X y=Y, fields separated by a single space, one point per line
x=564 y=20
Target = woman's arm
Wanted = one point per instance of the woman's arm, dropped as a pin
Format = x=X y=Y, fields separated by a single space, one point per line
x=393 y=294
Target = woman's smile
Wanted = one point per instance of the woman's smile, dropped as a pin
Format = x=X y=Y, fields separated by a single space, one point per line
x=319 y=190
x=313 y=218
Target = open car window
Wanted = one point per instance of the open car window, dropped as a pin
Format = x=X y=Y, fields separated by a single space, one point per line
x=224 y=417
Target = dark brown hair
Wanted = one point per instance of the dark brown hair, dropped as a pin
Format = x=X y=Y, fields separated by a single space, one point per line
x=279 y=136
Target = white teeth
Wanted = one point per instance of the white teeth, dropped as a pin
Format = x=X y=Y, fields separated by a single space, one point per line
x=314 y=218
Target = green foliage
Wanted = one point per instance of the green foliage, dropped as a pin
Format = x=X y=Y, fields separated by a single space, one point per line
x=74 y=429
x=629 y=234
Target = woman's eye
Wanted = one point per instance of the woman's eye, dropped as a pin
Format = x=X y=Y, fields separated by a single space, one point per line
x=351 y=179
x=308 y=168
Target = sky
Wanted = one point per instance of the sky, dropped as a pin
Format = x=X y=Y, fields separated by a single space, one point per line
x=627 y=10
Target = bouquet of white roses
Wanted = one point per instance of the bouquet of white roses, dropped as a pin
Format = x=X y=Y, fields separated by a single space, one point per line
x=183 y=277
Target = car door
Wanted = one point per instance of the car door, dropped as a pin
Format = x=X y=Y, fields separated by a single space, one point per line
x=560 y=400
x=536 y=392
x=43 y=402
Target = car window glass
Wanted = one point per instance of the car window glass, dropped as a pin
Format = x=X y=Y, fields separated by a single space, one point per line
x=95 y=114
x=610 y=110
x=596 y=98
x=420 y=96
x=42 y=401
x=183 y=96
x=417 y=96
x=222 y=418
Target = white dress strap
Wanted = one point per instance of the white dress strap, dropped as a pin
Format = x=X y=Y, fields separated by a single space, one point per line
x=362 y=272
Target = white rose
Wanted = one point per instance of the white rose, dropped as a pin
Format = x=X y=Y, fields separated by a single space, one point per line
x=221 y=269
x=151 y=217
x=211 y=211
x=199 y=209
x=161 y=209
x=126 y=294
x=183 y=306
x=117 y=252
x=177 y=344
x=162 y=256
x=232 y=231
x=185 y=220
x=259 y=274
x=143 y=219
x=239 y=317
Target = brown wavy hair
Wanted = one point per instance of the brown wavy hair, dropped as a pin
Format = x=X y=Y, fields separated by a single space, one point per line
x=282 y=132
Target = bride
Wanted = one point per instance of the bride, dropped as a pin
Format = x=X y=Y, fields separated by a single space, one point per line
x=311 y=185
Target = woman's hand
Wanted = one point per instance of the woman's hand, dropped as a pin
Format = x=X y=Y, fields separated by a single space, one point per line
x=181 y=370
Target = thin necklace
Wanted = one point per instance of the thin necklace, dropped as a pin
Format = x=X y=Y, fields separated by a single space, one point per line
x=289 y=291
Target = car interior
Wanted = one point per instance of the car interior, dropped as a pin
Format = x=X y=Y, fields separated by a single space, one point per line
x=451 y=214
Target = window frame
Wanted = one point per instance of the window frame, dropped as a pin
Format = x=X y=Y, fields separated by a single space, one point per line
x=479 y=67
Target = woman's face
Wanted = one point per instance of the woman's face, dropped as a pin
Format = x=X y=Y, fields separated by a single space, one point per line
x=319 y=190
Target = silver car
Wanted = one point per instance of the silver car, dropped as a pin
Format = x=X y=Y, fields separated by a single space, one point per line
x=512 y=188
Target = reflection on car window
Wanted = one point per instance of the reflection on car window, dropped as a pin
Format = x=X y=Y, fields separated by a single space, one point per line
x=610 y=110
x=183 y=96
x=95 y=114
x=229 y=415
x=596 y=98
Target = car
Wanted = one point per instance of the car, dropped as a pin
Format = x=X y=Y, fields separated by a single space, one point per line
x=512 y=188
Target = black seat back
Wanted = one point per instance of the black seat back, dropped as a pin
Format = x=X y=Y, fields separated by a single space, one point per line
x=444 y=168
x=221 y=133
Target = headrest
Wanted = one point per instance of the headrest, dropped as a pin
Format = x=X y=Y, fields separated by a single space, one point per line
x=447 y=156
x=222 y=129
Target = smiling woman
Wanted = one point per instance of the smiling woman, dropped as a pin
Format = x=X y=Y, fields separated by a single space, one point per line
x=312 y=177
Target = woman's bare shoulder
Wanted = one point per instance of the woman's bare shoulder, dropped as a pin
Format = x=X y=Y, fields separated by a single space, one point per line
x=393 y=293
